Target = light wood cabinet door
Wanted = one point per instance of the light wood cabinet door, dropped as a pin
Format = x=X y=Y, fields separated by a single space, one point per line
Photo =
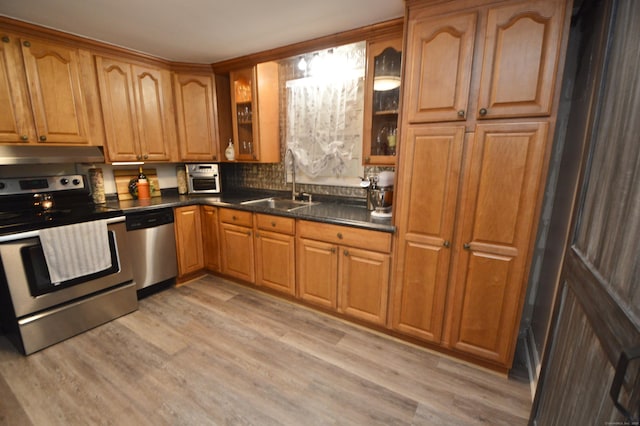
x=58 y=105
x=364 y=284
x=439 y=67
x=317 y=272
x=500 y=196
x=237 y=252
x=428 y=189
x=16 y=119
x=521 y=54
x=255 y=113
x=196 y=117
x=275 y=261
x=211 y=238
x=188 y=225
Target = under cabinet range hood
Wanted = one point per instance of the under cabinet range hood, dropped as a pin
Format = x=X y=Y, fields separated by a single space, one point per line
x=27 y=154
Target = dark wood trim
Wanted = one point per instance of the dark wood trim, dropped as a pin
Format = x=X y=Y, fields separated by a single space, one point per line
x=383 y=29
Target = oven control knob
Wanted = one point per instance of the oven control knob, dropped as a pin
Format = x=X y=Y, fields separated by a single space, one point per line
x=76 y=182
x=64 y=181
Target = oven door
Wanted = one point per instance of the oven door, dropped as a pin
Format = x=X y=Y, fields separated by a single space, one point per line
x=27 y=277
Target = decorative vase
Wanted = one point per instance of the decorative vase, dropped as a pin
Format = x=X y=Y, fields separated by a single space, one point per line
x=230 y=153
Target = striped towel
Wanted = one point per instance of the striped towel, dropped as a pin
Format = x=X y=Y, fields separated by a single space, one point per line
x=76 y=250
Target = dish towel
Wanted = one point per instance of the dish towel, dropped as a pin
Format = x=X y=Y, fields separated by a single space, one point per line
x=76 y=250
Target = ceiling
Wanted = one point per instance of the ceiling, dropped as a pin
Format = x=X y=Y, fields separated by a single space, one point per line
x=202 y=31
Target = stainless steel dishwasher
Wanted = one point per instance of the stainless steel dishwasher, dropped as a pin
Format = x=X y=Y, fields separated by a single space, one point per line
x=152 y=246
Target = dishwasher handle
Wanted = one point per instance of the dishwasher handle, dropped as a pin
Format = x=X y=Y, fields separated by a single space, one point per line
x=148 y=219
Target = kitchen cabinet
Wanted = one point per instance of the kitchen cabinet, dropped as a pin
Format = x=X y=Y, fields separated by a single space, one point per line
x=469 y=189
x=188 y=225
x=236 y=244
x=425 y=228
x=344 y=269
x=138 y=111
x=275 y=253
x=500 y=196
x=45 y=99
x=196 y=115
x=255 y=113
x=382 y=100
x=516 y=46
x=211 y=238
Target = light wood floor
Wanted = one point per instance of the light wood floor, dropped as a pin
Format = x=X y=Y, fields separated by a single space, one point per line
x=214 y=352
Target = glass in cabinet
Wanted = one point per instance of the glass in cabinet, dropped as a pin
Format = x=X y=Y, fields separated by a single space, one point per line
x=382 y=101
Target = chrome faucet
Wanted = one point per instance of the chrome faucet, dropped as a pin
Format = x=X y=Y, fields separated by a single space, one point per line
x=293 y=172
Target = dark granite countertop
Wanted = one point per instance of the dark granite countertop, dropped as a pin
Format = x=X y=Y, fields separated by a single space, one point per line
x=326 y=209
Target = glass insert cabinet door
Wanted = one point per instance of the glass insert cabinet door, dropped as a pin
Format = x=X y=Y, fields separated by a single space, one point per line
x=243 y=94
x=381 y=101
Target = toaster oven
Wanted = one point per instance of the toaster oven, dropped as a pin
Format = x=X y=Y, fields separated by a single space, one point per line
x=203 y=178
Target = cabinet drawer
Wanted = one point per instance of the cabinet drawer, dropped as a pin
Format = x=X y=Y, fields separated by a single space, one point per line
x=284 y=225
x=236 y=217
x=355 y=237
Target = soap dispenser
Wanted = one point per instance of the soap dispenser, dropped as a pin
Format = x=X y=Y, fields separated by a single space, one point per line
x=230 y=152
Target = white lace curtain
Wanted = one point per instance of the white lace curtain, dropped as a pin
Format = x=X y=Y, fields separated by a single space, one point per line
x=320 y=113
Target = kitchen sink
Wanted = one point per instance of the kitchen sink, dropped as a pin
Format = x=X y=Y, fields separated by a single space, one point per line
x=283 y=204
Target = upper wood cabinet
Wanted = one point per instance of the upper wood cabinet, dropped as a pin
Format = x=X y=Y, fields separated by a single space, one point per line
x=255 y=113
x=44 y=92
x=382 y=101
x=510 y=50
x=196 y=115
x=138 y=111
x=16 y=119
x=439 y=67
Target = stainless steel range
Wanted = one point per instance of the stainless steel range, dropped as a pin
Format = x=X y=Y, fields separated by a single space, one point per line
x=64 y=262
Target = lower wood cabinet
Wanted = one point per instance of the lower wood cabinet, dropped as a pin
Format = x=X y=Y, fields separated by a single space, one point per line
x=211 y=238
x=188 y=228
x=344 y=268
x=236 y=244
x=275 y=253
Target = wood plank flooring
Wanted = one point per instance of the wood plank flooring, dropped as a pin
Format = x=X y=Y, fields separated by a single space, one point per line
x=214 y=352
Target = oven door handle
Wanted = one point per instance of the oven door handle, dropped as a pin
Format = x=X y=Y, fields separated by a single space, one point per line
x=34 y=233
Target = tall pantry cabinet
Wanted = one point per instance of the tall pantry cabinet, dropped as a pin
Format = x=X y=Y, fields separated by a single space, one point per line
x=479 y=106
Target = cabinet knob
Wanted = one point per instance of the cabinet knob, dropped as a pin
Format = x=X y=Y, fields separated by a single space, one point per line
x=333 y=249
x=346 y=252
x=367 y=159
x=24 y=138
x=249 y=233
x=43 y=138
x=461 y=113
x=339 y=235
x=26 y=44
x=257 y=234
x=234 y=217
x=146 y=157
x=483 y=111
x=273 y=224
x=215 y=157
x=446 y=244
x=466 y=246
x=5 y=39
x=138 y=157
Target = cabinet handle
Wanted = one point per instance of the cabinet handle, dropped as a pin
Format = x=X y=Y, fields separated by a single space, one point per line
x=5 y=39
x=146 y=157
x=618 y=380
x=446 y=244
x=138 y=157
x=339 y=235
x=333 y=249
x=215 y=157
x=466 y=246
x=273 y=224
x=483 y=111
x=24 y=138
x=461 y=113
x=346 y=252
x=43 y=138
x=234 y=217
x=26 y=44
x=249 y=233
